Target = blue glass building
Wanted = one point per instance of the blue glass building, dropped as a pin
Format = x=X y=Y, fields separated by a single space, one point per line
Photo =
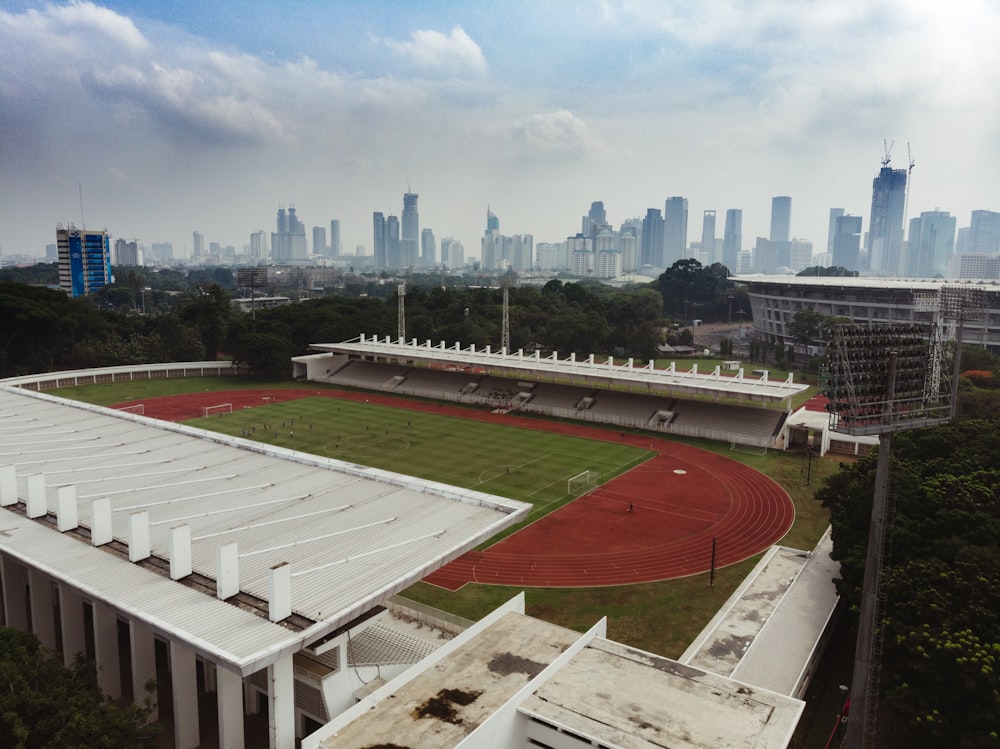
x=84 y=260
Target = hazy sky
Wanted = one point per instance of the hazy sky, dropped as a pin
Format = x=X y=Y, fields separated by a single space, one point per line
x=195 y=114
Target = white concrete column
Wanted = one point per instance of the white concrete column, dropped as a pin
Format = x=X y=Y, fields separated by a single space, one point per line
x=8 y=485
x=230 y=700
x=35 y=501
x=142 y=645
x=279 y=592
x=184 y=677
x=43 y=615
x=67 y=512
x=15 y=584
x=109 y=677
x=71 y=622
x=250 y=702
x=281 y=704
x=208 y=673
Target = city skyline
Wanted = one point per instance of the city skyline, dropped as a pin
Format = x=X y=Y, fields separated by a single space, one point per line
x=204 y=118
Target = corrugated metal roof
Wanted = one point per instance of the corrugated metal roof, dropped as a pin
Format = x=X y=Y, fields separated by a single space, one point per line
x=352 y=535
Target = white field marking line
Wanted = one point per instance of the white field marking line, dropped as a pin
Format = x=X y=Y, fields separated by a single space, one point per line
x=512 y=468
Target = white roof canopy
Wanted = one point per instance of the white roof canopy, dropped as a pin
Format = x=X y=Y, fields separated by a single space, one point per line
x=351 y=535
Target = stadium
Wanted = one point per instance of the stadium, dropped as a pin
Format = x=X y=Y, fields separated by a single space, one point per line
x=238 y=569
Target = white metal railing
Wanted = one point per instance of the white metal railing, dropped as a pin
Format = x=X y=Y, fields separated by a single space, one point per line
x=71 y=378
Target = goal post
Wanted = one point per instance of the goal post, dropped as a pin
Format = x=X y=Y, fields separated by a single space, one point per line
x=582 y=481
x=221 y=408
x=138 y=408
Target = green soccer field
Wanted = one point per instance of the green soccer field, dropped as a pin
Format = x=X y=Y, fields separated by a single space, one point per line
x=528 y=465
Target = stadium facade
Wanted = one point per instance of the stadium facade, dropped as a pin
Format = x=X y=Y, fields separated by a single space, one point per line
x=775 y=300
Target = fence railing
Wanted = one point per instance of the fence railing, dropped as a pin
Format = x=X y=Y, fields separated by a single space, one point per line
x=71 y=378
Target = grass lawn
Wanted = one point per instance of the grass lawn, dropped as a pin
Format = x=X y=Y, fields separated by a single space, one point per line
x=659 y=617
x=517 y=463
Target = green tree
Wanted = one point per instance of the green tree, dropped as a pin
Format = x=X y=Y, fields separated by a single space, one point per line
x=265 y=354
x=46 y=706
x=942 y=582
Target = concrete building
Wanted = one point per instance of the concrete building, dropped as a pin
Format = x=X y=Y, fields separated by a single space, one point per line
x=651 y=254
x=867 y=301
x=288 y=243
x=931 y=243
x=319 y=240
x=409 y=238
x=846 y=241
x=675 y=227
x=732 y=239
x=84 y=260
x=128 y=252
x=336 y=247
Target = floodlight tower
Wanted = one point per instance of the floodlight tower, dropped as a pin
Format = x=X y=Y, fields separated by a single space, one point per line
x=252 y=278
x=401 y=315
x=506 y=281
x=879 y=381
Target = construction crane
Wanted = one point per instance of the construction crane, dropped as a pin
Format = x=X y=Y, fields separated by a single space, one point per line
x=887 y=147
x=909 y=180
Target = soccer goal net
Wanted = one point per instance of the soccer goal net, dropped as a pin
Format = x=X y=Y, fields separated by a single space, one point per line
x=581 y=482
x=136 y=409
x=222 y=408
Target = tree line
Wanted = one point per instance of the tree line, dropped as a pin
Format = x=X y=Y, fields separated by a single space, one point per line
x=166 y=315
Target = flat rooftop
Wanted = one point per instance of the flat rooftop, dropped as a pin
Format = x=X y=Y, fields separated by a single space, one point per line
x=620 y=696
x=767 y=630
x=450 y=699
x=606 y=692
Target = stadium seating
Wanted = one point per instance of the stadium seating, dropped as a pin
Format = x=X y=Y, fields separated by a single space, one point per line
x=733 y=423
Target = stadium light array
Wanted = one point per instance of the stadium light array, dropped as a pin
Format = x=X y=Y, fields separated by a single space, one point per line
x=879 y=380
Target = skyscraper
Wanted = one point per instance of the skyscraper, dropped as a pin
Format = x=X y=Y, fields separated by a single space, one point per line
x=198 y=244
x=319 y=240
x=885 y=225
x=428 y=248
x=409 y=240
x=675 y=231
x=128 y=252
x=489 y=254
x=335 y=247
x=831 y=231
x=289 y=241
x=84 y=260
x=932 y=241
x=781 y=218
x=378 y=239
x=732 y=240
x=595 y=220
x=651 y=252
x=846 y=241
x=984 y=232
x=258 y=246
x=393 y=245
x=708 y=237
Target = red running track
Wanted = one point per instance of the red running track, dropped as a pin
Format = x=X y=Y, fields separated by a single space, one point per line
x=681 y=499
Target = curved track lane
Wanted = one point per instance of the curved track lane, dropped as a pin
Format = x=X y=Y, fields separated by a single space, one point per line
x=681 y=499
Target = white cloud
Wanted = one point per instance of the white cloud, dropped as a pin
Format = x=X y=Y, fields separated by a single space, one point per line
x=553 y=136
x=86 y=16
x=432 y=50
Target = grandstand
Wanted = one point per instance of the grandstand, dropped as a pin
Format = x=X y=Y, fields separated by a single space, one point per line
x=727 y=407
